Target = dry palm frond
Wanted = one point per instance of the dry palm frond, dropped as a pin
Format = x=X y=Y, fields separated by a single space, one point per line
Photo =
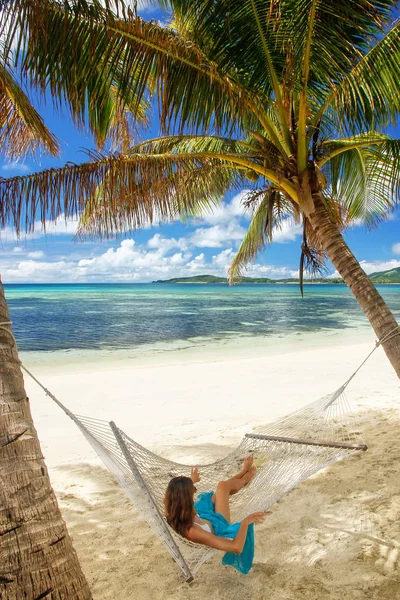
x=139 y=186
x=187 y=193
x=22 y=130
x=312 y=257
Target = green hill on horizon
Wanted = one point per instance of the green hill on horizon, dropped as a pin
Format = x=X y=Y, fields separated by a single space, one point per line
x=215 y=279
x=391 y=276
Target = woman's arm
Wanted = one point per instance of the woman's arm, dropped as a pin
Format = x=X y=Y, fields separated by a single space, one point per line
x=199 y=536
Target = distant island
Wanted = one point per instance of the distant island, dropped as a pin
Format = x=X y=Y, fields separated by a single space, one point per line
x=214 y=279
x=392 y=276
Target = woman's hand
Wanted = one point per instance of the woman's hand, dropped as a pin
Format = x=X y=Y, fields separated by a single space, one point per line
x=195 y=475
x=257 y=517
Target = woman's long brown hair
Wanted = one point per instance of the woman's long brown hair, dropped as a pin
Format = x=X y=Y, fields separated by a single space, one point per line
x=179 y=504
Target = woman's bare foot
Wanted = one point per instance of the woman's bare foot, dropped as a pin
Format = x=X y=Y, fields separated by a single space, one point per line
x=247 y=464
x=249 y=475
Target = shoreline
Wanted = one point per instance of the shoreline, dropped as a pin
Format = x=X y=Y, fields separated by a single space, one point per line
x=192 y=351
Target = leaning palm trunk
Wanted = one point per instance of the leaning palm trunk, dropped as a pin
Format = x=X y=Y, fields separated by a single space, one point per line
x=369 y=299
x=37 y=559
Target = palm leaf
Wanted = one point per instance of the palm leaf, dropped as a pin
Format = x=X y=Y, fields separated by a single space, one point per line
x=367 y=97
x=366 y=180
x=141 y=187
x=22 y=130
x=130 y=54
x=178 y=195
x=269 y=209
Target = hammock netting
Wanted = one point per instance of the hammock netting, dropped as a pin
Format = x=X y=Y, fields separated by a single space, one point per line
x=285 y=453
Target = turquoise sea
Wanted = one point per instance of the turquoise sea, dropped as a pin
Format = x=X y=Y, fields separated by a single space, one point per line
x=111 y=317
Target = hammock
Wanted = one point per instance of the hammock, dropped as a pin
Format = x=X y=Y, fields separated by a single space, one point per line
x=285 y=453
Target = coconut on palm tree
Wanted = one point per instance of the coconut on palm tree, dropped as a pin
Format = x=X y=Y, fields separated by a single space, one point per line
x=293 y=96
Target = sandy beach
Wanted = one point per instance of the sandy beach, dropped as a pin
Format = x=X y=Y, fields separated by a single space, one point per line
x=335 y=536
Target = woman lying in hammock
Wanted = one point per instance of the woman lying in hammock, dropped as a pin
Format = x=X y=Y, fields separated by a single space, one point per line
x=207 y=521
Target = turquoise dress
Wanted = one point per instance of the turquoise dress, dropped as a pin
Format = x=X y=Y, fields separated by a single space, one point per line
x=204 y=507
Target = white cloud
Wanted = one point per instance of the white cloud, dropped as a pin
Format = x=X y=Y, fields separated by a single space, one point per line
x=164 y=245
x=61 y=226
x=16 y=166
x=224 y=213
x=375 y=266
x=217 y=236
x=130 y=262
x=396 y=248
x=271 y=271
x=197 y=264
x=17 y=250
x=288 y=231
x=223 y=259
x=37 y=254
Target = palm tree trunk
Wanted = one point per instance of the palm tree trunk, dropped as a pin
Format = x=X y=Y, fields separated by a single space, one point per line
x=371 y=302
x=37 y=559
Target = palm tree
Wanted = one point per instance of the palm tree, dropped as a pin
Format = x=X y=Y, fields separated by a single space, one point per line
x=291 y=95
x=37 y=559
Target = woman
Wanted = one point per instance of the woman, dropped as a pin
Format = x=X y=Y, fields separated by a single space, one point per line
x=208 y=521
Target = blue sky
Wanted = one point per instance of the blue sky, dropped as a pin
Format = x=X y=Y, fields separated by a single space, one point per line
x=206 y=245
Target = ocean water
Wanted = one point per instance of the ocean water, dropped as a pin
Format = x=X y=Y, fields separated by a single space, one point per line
x=162 y=317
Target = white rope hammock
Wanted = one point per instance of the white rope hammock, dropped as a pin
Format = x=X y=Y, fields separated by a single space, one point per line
x=285 y=452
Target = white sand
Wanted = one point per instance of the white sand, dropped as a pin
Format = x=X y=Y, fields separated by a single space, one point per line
x=337 y=536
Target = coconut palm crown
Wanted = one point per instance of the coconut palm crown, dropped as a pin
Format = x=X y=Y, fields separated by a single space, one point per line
x=288 y=97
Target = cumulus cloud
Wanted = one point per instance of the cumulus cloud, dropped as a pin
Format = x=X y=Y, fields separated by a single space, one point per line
x=223 y=259
x=224 y=213
x=61 y=226
x=271 y=271
x=160 y=257
x=128 y=262
x=396 y=248
x=37 y=254
x=288 y=231
x=16 y=167
x=217 y=236
x=164 y=245
x=375 y=266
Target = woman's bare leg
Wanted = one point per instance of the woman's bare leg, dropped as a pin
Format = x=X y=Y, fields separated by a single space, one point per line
x=226 y=488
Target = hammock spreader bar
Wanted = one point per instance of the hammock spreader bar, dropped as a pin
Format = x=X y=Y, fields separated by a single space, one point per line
x=290 y=440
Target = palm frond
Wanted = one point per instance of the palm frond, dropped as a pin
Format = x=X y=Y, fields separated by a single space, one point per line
x=366 y=180
x=199 y=143
x=142 y=187
x=245 y=39
x=367 y=97
x=130 y=54
x=312 y=256
x=116 y=126
x=329 y=148
x=179 y=195
x=22 y=129
x=330 y=36
x=269 y=209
